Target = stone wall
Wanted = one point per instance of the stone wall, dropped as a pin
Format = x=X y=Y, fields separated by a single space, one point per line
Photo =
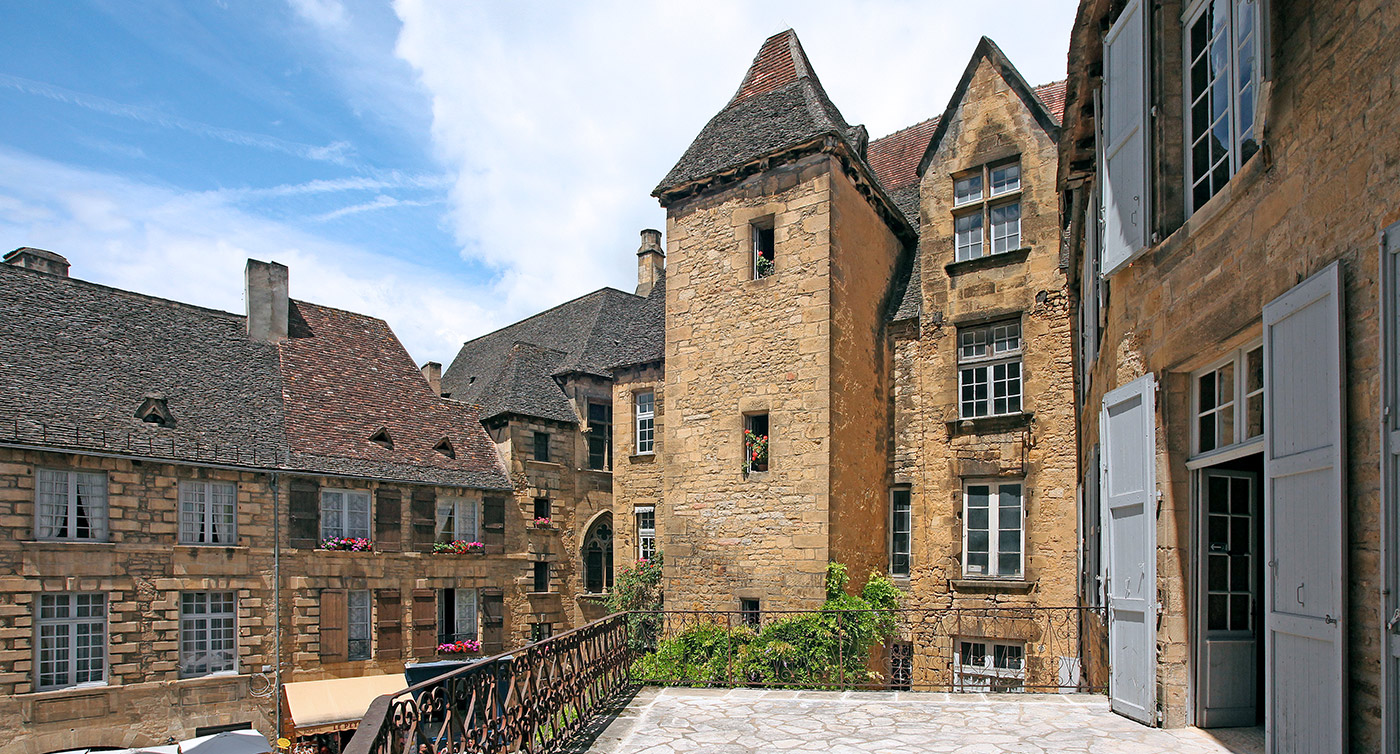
x=638 y=477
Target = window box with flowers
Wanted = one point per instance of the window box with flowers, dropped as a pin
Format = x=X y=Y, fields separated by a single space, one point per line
x=544 y=523
x=459 y=647
x=755 y=443
x=459 y=547
x=347 y=544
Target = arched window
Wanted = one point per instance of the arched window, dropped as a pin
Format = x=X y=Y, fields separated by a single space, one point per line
x=598 y=555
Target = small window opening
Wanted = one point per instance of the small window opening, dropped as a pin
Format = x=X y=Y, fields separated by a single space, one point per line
x=541 y=446
x=763 y=248
x=755 y=442
x=749 y=612
x=444 y=447
x=541 y=576
x=542 y=510
x=382 y=439
x=154 y=410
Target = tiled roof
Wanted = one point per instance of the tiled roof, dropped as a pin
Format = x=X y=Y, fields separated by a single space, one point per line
x=78 y=358
x=1052 y=95
x=895 y=158
x=780 y=104
x=345 y=376
x=513 y=370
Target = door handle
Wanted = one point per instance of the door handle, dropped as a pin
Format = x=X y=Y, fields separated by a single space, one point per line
x=1299 y=596
x=1329 y=619
x=1394 y=621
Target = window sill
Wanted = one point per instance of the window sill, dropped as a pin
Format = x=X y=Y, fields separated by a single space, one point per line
x=537 y=462
x=60 y=691
x=1004 y=259
x=990 y=424
x=593 y=596
x=761 y=282
x=541 y=595
x=598 y=471
x=197 y=546
x=642 y=458
x=70 y=542
x=975 y=584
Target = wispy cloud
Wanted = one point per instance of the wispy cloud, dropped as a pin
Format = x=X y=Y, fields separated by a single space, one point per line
x=337 y=152
x=379 y=202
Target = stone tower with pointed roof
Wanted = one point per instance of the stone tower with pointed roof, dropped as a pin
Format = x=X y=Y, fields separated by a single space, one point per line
x=782 y=256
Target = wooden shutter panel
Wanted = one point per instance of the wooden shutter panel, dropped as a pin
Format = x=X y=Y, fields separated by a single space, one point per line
x=388 y=626
x=334 y=644
x=424 y=510
x=304 y=511
x=1125 y=138
x=388 y=518
x=492 y=622
x=424 y=622
x=493 y=524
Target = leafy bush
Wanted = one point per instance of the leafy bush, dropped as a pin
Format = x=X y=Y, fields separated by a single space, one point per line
x=637 y=591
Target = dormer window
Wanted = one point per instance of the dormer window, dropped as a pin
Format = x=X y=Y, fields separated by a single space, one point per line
x=153 y=410
x=382 y=439
x=444 y=447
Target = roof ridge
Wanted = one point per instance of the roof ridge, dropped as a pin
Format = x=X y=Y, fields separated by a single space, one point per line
x=551 y=309
x=780 y=61
x=69 y=280
x=909 y=127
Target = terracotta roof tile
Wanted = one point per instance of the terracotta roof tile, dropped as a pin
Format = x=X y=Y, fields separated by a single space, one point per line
x=779 y=62
x=1053 y=96
x=895 y=158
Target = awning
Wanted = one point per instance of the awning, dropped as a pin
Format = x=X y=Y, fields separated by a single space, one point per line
x=335 y=703
x=228 y=742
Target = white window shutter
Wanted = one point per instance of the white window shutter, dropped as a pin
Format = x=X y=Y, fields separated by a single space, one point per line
x=1125 y=138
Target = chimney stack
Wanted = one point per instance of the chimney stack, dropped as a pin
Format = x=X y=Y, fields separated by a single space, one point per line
x=266 y=297
x=38 y=259
x=651 y=262
x=432 y=372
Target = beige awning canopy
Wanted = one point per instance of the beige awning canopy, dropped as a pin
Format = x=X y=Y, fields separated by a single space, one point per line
x=335 y=703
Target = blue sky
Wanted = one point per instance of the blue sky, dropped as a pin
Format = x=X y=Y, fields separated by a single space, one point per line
x=448 y=166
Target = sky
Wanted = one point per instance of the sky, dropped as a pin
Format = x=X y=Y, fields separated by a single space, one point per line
x=449 y=166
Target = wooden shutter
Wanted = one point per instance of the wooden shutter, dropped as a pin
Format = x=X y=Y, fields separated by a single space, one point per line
x=1125 y=138
x=1128 y=429
x=388 y=518
x=493 y=524
x=492 y=622
x=304 y=511
x=1305 y=530
x=388 y=624
x=424 y=510
x=425 y=632
x=1390 y=481
x=334 y=646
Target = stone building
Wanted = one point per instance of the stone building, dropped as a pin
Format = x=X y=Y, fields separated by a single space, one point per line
x=173 y=484
x=1227 y=174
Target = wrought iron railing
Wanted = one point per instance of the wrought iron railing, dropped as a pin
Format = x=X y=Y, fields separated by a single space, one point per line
x=111 y=437
x=537 y=698
x=532 y=699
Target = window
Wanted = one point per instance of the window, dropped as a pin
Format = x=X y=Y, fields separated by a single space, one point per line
x=997 y=210
x=1221 y=54
x=755 y=442
x=986 y=665
x=992 y=542
x=600 y=436
x=456 y=615
x=358 y=614
x=344 y=513
x=207 y=512
x=764 y=248
x=646 y=532
x=457 y=520
x=72 y=640
x=541 y=576
x=901 y=521
x=901 y=666
x=646 y=422
x=541 y=446
x=1229 y=401
x=749 y=613
x=989 y=370
x=597 y=556
x=70 y=505
x=207 y=636
x=543 y=509
x=541 y=631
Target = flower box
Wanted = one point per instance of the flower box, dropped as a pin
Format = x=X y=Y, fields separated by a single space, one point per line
x=347 y=544
x=544 y=523
x=463 y=646
x=458 y=547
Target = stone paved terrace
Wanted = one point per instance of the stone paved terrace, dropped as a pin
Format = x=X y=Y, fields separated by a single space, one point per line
x=730 y=721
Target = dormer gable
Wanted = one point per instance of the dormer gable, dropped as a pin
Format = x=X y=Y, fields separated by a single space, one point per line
x=155 y=410
x=382 y=438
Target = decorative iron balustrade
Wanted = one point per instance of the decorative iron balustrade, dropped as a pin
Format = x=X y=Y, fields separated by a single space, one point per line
x=537 y=698
x=112 y=437
x=532 y=699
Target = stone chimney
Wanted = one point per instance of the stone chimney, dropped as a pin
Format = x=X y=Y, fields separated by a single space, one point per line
x=651 y=262
x=266 y=297
x=432 y=372
x=38 y=259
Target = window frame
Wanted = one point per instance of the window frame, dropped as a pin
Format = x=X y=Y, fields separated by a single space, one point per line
x=751 y=420
x=644 y=422
x=751 y=611
x=1240 y=395
x=987 y=669
x=344 y=513
x=366 y=628
x=540 y=576
x=445 y=637
x=207 y=523
x=990 y=361
x=71 y=636
x=1235 y=159
x=982 y=207
x=758 y=228
x=908 y=532
x=541 y=442
x=457 y=505
x=646 y=536
x=231 y=615
x=605 y=438
x=99 y=525
x=994 y=530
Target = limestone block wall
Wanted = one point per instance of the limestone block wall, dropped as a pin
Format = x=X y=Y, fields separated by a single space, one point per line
x=638 y=477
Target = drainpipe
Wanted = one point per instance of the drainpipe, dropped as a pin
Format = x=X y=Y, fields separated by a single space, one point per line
x=277 y=601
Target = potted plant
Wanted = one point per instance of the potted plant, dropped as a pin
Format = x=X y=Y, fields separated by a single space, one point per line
x=347 y=544
x=544 y=522
x=458 y=547
x=461 y=646
x=755 y=451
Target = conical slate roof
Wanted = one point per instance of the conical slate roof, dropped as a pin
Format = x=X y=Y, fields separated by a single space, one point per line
x=780 y=104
